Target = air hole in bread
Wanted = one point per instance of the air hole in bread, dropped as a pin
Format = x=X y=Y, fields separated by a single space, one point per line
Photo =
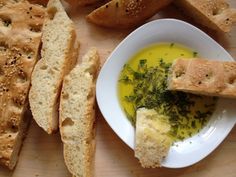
x=65 y=95
x=67 y=122
x=52 y=12
x=43 y=67
x=55 y=68
x=35 y=28
x=6 y=21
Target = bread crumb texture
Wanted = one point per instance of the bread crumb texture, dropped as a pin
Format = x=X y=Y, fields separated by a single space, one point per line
x=77 y=115
x=59 y=45
x=152 y=141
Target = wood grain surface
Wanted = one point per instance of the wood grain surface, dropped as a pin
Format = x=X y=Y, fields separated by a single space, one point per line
x=42 y=156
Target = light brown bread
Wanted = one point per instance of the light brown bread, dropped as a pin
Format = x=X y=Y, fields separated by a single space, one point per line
x=214 y=14
x=20 y=36
x=77 y=115
x=126 y=13
x=152 y=139
x=59 y=44
x=81 y=2
x=201 y=76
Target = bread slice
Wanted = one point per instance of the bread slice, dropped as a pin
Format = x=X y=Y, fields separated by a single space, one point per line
x=77 y=115
x=126 y=14
x=81 y=2
x=206 y=77
x=20 y=38
x=214 y=14
x=152 y=139
x=59 y=44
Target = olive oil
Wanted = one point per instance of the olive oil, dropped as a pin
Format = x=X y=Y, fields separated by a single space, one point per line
x=143 y=83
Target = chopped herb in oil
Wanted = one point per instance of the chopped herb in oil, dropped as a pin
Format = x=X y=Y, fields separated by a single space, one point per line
x=187 y=113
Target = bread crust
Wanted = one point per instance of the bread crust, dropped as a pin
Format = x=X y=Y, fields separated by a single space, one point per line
x=214 y=14
x=20 y=38
x=126 y=13
x=77 y=115
x=206 y=77
x=59 y=44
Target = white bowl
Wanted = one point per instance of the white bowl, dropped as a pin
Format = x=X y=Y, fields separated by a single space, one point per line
x=183 y=153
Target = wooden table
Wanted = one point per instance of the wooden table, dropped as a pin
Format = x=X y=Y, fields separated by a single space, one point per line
x=41 y=154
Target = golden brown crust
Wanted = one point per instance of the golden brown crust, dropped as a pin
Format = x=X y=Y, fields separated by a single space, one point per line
x=201 y=76
x=126 y=13
x=214 y=14
x=20 y=36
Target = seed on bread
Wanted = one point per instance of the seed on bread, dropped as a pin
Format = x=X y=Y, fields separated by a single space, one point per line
x=15 y=72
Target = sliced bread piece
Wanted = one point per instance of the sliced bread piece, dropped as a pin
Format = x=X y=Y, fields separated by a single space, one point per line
x=59 y=44
x=152 y=139
x=126 y=13
x=20 y=39
x=77 y=115
x=214 y=14
x=206 y=77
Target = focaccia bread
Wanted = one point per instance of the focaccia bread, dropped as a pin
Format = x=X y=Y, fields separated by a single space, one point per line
x=206 y=77
x=152 y=139
x=214 y=14
x=77 y=115
x=59 y=44
x=126 y=13
x=20 y=38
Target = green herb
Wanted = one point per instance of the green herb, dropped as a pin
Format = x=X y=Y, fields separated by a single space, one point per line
x=171 y=45
x=195 y=54
x=150 y=91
